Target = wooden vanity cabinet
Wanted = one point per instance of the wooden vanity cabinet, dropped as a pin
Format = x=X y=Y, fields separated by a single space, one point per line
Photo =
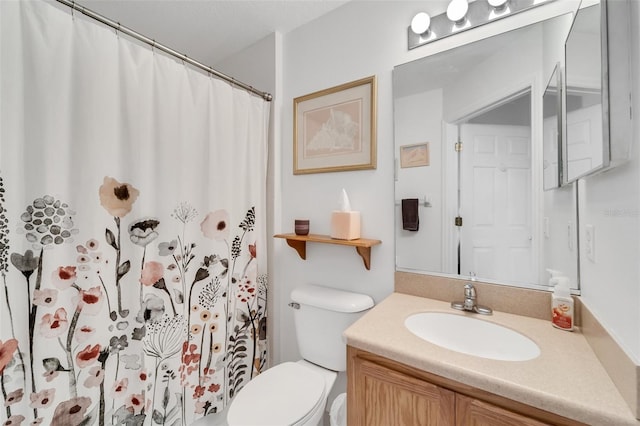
x=473 y=412
x=382 y=392
x=390 y=397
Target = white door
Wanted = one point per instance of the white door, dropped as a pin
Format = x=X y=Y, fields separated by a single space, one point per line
x=495 y=203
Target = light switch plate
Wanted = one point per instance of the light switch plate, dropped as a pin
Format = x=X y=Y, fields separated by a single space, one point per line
x=590 y=242
x=546 y=226
x=570 y=234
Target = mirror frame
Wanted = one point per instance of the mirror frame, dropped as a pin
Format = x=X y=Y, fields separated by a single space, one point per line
x=556 y=75
x=538 y=83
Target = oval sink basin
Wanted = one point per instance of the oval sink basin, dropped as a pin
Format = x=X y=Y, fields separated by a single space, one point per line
x=472 y=336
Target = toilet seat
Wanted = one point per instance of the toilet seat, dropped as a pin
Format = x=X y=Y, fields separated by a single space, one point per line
x=287 y=394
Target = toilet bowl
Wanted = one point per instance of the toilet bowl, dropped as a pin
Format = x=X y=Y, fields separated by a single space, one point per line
x=295 y=393
x=338 y=412
x=291 y=393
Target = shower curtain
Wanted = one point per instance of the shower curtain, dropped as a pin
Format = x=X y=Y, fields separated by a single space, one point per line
x=132 y=228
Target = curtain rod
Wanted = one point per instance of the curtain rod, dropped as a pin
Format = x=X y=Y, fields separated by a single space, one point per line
x=116 y=25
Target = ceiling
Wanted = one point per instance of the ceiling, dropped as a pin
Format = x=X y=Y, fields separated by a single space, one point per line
x=210 y=31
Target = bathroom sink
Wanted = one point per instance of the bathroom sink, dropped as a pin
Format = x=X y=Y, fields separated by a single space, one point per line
x=472 y=336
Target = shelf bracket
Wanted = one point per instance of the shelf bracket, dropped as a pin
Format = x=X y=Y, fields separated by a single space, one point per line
x=299 y=246
x=365 y=254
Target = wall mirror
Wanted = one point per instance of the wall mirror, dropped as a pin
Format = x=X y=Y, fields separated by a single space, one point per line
x=481 y=208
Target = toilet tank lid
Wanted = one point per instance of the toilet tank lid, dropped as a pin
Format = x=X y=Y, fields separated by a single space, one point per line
x=331 y=299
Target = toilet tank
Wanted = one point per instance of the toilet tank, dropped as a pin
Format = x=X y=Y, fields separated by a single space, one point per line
x=321 y=315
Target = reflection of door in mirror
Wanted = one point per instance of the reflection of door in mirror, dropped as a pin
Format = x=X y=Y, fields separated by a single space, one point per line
x=585 y=149
x=495 y=238
x=495 y=194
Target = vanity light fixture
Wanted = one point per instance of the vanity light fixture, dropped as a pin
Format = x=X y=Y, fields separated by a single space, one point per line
x=461 y=16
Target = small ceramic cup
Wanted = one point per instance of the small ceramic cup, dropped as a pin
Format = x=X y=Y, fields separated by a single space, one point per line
x=301 y=226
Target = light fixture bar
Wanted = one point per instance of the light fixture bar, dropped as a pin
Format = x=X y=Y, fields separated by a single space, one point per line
x=480 y=12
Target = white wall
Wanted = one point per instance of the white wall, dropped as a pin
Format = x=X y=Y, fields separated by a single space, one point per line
x=610 y=202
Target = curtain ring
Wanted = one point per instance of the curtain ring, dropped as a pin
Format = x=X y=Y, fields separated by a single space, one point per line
x=73 y=10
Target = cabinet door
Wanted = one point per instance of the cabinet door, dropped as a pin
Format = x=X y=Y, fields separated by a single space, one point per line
x=386 y=397
x=472 y=412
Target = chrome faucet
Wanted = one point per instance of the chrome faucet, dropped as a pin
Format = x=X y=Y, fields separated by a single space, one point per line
x=469 y=297
x=469 y=303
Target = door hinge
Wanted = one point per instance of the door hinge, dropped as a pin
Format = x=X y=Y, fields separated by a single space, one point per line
x=458 y=146
x=458 y=221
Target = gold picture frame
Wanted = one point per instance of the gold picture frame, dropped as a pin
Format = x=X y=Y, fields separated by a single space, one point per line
x=334 y=130
x=416 y=155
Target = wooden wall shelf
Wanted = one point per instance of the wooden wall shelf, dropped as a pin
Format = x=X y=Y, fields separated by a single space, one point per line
x=299 y=243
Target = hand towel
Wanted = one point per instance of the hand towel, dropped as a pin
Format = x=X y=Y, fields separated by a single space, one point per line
x=410 y=219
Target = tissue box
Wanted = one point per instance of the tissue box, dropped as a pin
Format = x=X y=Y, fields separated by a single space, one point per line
x=345 y=225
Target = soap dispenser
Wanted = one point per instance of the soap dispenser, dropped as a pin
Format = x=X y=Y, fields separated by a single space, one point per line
x=561 y=303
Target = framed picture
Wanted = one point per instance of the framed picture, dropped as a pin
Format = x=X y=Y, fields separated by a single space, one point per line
x=414 y=155
x=334 y=129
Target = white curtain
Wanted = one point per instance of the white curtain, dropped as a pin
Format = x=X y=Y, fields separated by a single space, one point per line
x=132 y=228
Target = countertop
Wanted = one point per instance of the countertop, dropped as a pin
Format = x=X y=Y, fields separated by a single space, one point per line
x=566 y=379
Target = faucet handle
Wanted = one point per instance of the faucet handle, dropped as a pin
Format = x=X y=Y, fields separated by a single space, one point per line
x=469 y=291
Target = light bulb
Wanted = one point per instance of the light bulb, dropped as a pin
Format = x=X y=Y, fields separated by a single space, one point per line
x=420 y=23
x=457 y=10
x=497 y=4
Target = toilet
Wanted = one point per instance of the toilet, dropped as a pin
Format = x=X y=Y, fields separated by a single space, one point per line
x=295 y=393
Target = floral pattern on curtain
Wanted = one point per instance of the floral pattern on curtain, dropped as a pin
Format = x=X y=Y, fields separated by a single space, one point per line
x=132 y=232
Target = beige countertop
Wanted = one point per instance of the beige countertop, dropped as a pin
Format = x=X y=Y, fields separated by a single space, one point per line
x=566 y=379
